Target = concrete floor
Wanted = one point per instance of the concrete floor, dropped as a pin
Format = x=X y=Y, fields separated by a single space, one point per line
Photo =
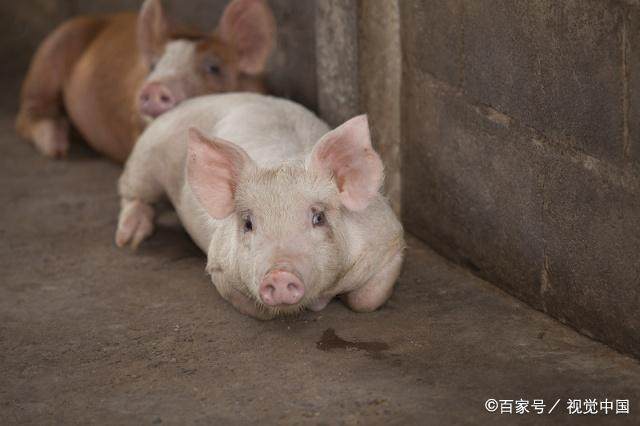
x=93 y=334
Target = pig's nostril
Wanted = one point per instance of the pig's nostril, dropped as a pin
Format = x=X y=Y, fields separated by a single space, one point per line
x=145 y=97
x=281 y=288
x=164 y=98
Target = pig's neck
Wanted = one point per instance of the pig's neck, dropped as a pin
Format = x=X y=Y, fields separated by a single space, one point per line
x=365 y=251
x=197 y=222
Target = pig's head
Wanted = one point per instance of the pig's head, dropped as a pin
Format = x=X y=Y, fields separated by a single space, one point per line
x=187 y=64
x=289 y=221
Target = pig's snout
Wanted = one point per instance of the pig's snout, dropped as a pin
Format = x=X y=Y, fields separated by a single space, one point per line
x=281 y=288
x=156 y=99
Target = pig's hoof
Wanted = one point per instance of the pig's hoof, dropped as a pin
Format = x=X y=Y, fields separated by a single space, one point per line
x=134 y=224
x=51 y=137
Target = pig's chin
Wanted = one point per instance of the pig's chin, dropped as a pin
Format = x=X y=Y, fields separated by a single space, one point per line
x=148 y=119
x=284 y=309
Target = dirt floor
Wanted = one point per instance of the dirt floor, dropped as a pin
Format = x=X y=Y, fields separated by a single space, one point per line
x=93 y=334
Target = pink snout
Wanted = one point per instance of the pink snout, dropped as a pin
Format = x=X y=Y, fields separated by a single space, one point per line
x=156 y=99
x=281 y=288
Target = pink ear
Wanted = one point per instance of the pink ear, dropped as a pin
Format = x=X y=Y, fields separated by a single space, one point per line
x=249 y=26
x=153 y=29
x=213 y=171
x=347 y=154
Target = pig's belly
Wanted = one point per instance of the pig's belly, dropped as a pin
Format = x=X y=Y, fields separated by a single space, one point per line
x=100 y=111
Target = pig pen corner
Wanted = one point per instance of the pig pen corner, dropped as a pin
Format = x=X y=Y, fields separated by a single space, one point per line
x=509 y=159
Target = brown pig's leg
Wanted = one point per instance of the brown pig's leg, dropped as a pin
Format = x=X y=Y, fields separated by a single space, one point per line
x=40 y=118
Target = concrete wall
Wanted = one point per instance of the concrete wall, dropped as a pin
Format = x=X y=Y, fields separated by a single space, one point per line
x=358 y=67
x=379 y=75
x=520 y=151
x=337 y=60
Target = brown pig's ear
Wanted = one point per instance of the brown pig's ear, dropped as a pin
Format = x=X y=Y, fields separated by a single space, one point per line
x=250 y=28
x=213 y=171
x=153 y=30
x=346 y=154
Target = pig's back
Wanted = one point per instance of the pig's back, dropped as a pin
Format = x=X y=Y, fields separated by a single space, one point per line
x=270 y=129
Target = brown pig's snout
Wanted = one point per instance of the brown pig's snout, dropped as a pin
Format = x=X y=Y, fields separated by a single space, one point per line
x=280 y=287
x=156 y=99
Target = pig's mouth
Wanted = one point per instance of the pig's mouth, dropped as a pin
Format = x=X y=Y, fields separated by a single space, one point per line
x=313 y=304
x=148 y=118
x=284 y=310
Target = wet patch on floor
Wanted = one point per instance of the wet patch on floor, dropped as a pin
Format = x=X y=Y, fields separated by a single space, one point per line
x=330 y=341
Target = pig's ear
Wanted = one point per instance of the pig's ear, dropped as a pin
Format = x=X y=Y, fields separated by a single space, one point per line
x=213 y=170
x=153 y=30
x=249 y=26
x=347 y=154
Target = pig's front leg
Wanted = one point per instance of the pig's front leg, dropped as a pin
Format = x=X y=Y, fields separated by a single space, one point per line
x=135 y=222
x=377 y=290
x=138 y=190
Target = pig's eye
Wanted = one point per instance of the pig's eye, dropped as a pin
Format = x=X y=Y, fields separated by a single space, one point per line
x=318 y=219
x=152 y=66
x=248 y=224
x=213 y=69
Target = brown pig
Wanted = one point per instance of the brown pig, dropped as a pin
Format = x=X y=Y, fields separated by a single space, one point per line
x=111 y=75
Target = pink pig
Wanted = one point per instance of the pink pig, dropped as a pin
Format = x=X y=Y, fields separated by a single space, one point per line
x=112 y=74
x=287 y=210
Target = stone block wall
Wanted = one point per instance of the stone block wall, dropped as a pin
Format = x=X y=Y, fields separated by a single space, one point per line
x=358 y=67
x=520 y=151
